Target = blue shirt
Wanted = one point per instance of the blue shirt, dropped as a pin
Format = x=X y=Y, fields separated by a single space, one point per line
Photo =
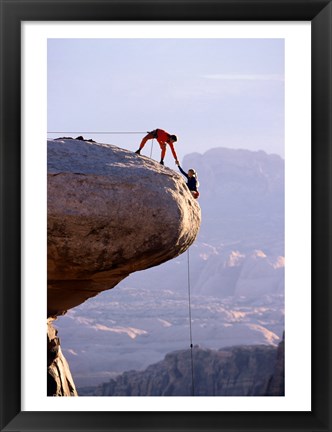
x=191 y=181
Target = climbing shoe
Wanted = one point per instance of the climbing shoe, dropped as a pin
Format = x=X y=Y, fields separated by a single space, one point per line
x=161 y=162
x=138 y=151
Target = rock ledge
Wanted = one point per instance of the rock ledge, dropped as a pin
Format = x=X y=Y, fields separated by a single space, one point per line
x=110 y=213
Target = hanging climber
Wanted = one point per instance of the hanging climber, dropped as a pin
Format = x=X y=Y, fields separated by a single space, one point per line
x=163 y=139
x=192 y=180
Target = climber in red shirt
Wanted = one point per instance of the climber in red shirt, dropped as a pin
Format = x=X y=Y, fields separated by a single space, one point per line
x=163 y=139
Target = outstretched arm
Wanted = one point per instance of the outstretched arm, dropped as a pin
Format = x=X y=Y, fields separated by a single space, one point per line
x=183 y=172
x=173 y=151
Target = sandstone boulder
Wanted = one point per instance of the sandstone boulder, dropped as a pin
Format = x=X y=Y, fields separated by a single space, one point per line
x=110 y=213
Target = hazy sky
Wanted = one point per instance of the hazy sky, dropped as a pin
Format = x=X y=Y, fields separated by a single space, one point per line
x=209 y=92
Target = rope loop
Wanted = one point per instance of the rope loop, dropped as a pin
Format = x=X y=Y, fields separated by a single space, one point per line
x=90 y=132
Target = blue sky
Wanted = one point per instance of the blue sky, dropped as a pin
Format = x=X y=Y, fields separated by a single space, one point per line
x=209 y=92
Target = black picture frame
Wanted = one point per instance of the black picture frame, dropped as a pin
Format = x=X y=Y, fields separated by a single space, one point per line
x=319 y=13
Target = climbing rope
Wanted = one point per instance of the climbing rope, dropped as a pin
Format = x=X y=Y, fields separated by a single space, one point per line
x=90 y=132
x=190 y=326
x=151 y=148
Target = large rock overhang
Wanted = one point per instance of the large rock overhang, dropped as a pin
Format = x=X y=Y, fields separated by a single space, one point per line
x=110 y=213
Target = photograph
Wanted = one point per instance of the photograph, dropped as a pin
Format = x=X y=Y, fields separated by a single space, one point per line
x=165 y=200
x=201 y=206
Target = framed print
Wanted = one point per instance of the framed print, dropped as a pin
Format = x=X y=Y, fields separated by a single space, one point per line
x=44 y=48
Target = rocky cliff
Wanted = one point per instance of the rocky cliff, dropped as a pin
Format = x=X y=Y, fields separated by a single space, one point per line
x=235 y=371
x=59 y=379
x=110 y=213
x=277 y=383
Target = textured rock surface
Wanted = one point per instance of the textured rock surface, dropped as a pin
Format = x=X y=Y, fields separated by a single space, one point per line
x=277 y=383
x=59 y=379
x=235 y=371
x=110 y=213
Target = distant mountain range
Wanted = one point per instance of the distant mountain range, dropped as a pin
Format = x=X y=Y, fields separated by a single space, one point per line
x=237 y=371
x=236 y=276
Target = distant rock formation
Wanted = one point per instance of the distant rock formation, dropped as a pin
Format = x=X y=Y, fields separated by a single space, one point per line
x=246 y=189
x=251 y=180
x=235 y=371
x=110 y=213
x=277 y=383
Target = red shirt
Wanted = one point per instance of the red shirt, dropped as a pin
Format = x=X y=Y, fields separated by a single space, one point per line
x=162 y=138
